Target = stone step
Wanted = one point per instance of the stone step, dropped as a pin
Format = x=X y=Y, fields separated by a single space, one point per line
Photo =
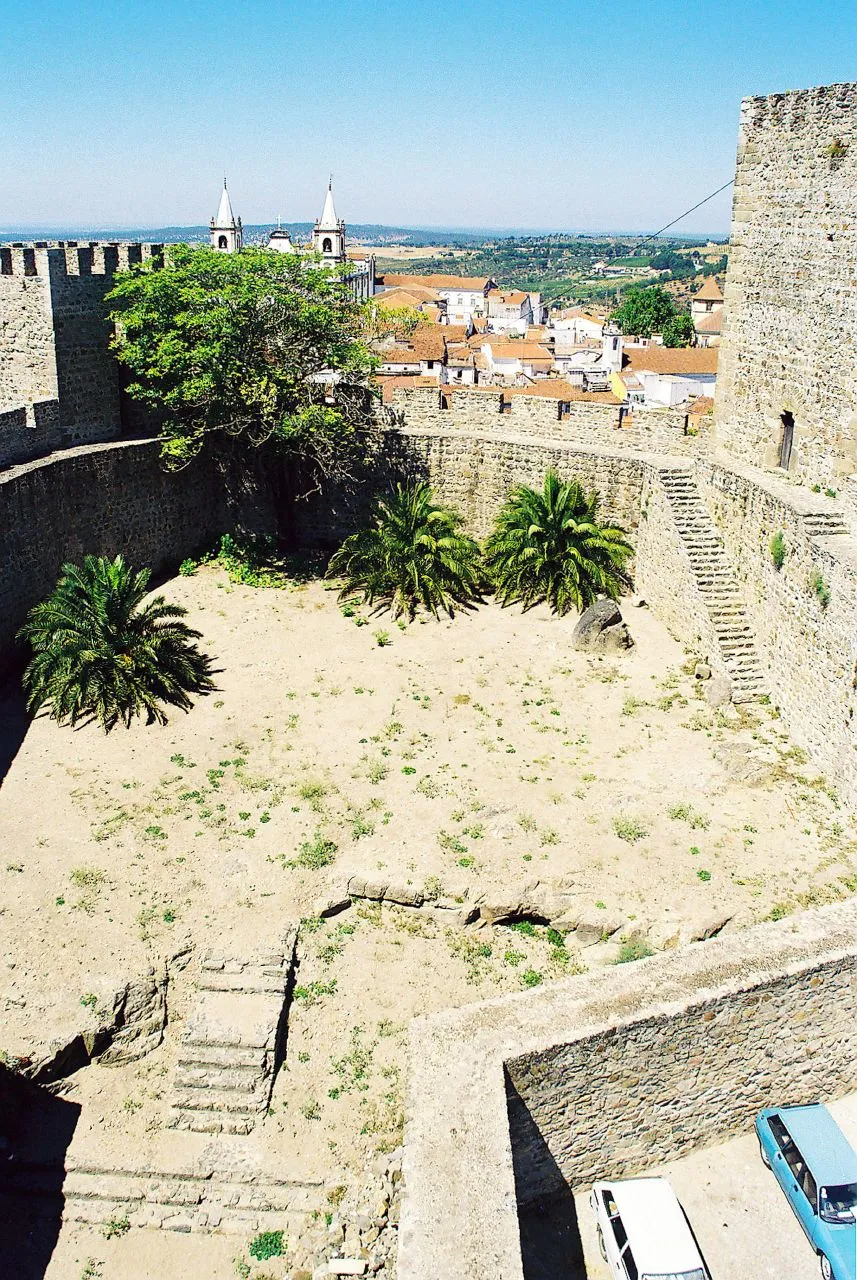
x=239 y=1079
x=820 y=522
x=231 y=1101
x=193 y=1053
x=267 y=988
x=210 y=1122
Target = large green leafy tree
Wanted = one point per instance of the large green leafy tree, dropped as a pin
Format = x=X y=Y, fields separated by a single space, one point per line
x=551 y=546
x=98 y=650
x=645 y=310
x=411 y=555
x=679 y=332
x=258 y=345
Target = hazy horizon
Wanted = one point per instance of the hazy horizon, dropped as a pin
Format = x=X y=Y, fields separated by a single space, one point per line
x=445 y=230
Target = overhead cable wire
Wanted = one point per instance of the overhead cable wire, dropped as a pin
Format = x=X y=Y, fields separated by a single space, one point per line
x=687 y=211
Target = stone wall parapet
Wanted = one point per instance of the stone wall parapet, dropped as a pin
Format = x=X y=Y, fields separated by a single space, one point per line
x=587 y=422
x=73 y=257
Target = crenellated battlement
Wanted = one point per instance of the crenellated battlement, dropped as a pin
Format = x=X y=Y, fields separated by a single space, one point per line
x=56 y=342
x=66 y=258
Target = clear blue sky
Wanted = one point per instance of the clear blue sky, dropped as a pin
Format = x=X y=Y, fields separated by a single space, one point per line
x=450 y=113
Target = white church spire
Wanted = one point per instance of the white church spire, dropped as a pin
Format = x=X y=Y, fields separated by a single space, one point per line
x=328 y=236
x=225 y=231
x=225 y=216
x=328 y=220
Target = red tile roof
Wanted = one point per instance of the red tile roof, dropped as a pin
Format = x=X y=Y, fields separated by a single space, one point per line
x=425 y=343
x=712 y=322
x=710 y=292
x=671 y=360
x=512 y=349
x=388 y=382
x=476 y=284
x=558 y=389
x=395 y=298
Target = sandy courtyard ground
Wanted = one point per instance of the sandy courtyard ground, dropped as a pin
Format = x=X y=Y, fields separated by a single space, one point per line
x=474 y=755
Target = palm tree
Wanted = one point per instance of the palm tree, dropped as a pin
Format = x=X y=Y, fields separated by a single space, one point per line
x=411 y=555
x=99 y=651
x=551 y=546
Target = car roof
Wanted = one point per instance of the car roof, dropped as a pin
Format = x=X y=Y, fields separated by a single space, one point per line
x=830 y=1156
x=660 y=1237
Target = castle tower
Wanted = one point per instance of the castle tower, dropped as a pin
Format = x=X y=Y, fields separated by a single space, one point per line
x=328 y=236
x=225 y=230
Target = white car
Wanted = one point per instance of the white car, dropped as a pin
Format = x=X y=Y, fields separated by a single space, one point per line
x=643 y=1233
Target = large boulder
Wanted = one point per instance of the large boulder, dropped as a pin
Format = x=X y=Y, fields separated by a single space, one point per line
x=600 y=629
x=718 y=692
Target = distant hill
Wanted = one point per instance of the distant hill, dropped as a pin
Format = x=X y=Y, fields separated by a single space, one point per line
x=371 y=233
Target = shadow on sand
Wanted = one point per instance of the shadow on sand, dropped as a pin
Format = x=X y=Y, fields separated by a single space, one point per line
x=35 y=1131
x=15 y=720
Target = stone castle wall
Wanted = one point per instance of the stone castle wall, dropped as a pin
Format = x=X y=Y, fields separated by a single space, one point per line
x=586 y=422
x=808 y=648
x=55 y=361
x=475 y=473
x=28 y=368
x=791 y=296
x=101 y=499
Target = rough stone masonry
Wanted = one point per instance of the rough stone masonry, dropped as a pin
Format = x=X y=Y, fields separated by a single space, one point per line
x=788 y=360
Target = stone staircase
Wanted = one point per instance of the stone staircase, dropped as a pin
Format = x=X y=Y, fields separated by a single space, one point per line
x=716 y=583
x=234 y=1202
x=823 y=524
x=227 y=1056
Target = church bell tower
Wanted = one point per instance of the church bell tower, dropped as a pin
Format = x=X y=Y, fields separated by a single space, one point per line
x=225 y=231
x=328 y=236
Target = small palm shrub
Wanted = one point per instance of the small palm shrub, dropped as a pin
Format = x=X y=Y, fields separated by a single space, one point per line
x=411 y=556
x=551 y=546
x=99 y=651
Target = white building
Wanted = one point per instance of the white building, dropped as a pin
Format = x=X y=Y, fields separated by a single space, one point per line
x=706 y=310
x=510 y=359
x=509 y=311
x=280 y=240
x=225 y=231
x=465 y=296
x=667 y=377
x=589 y=367
x=577 y=326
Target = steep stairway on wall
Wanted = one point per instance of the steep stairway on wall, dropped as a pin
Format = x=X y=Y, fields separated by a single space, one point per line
x=716 y=583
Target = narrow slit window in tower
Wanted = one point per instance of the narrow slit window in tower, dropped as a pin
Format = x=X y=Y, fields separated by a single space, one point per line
x=787 y=440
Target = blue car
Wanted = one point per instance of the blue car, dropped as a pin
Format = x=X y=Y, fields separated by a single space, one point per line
x=816 y=1167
